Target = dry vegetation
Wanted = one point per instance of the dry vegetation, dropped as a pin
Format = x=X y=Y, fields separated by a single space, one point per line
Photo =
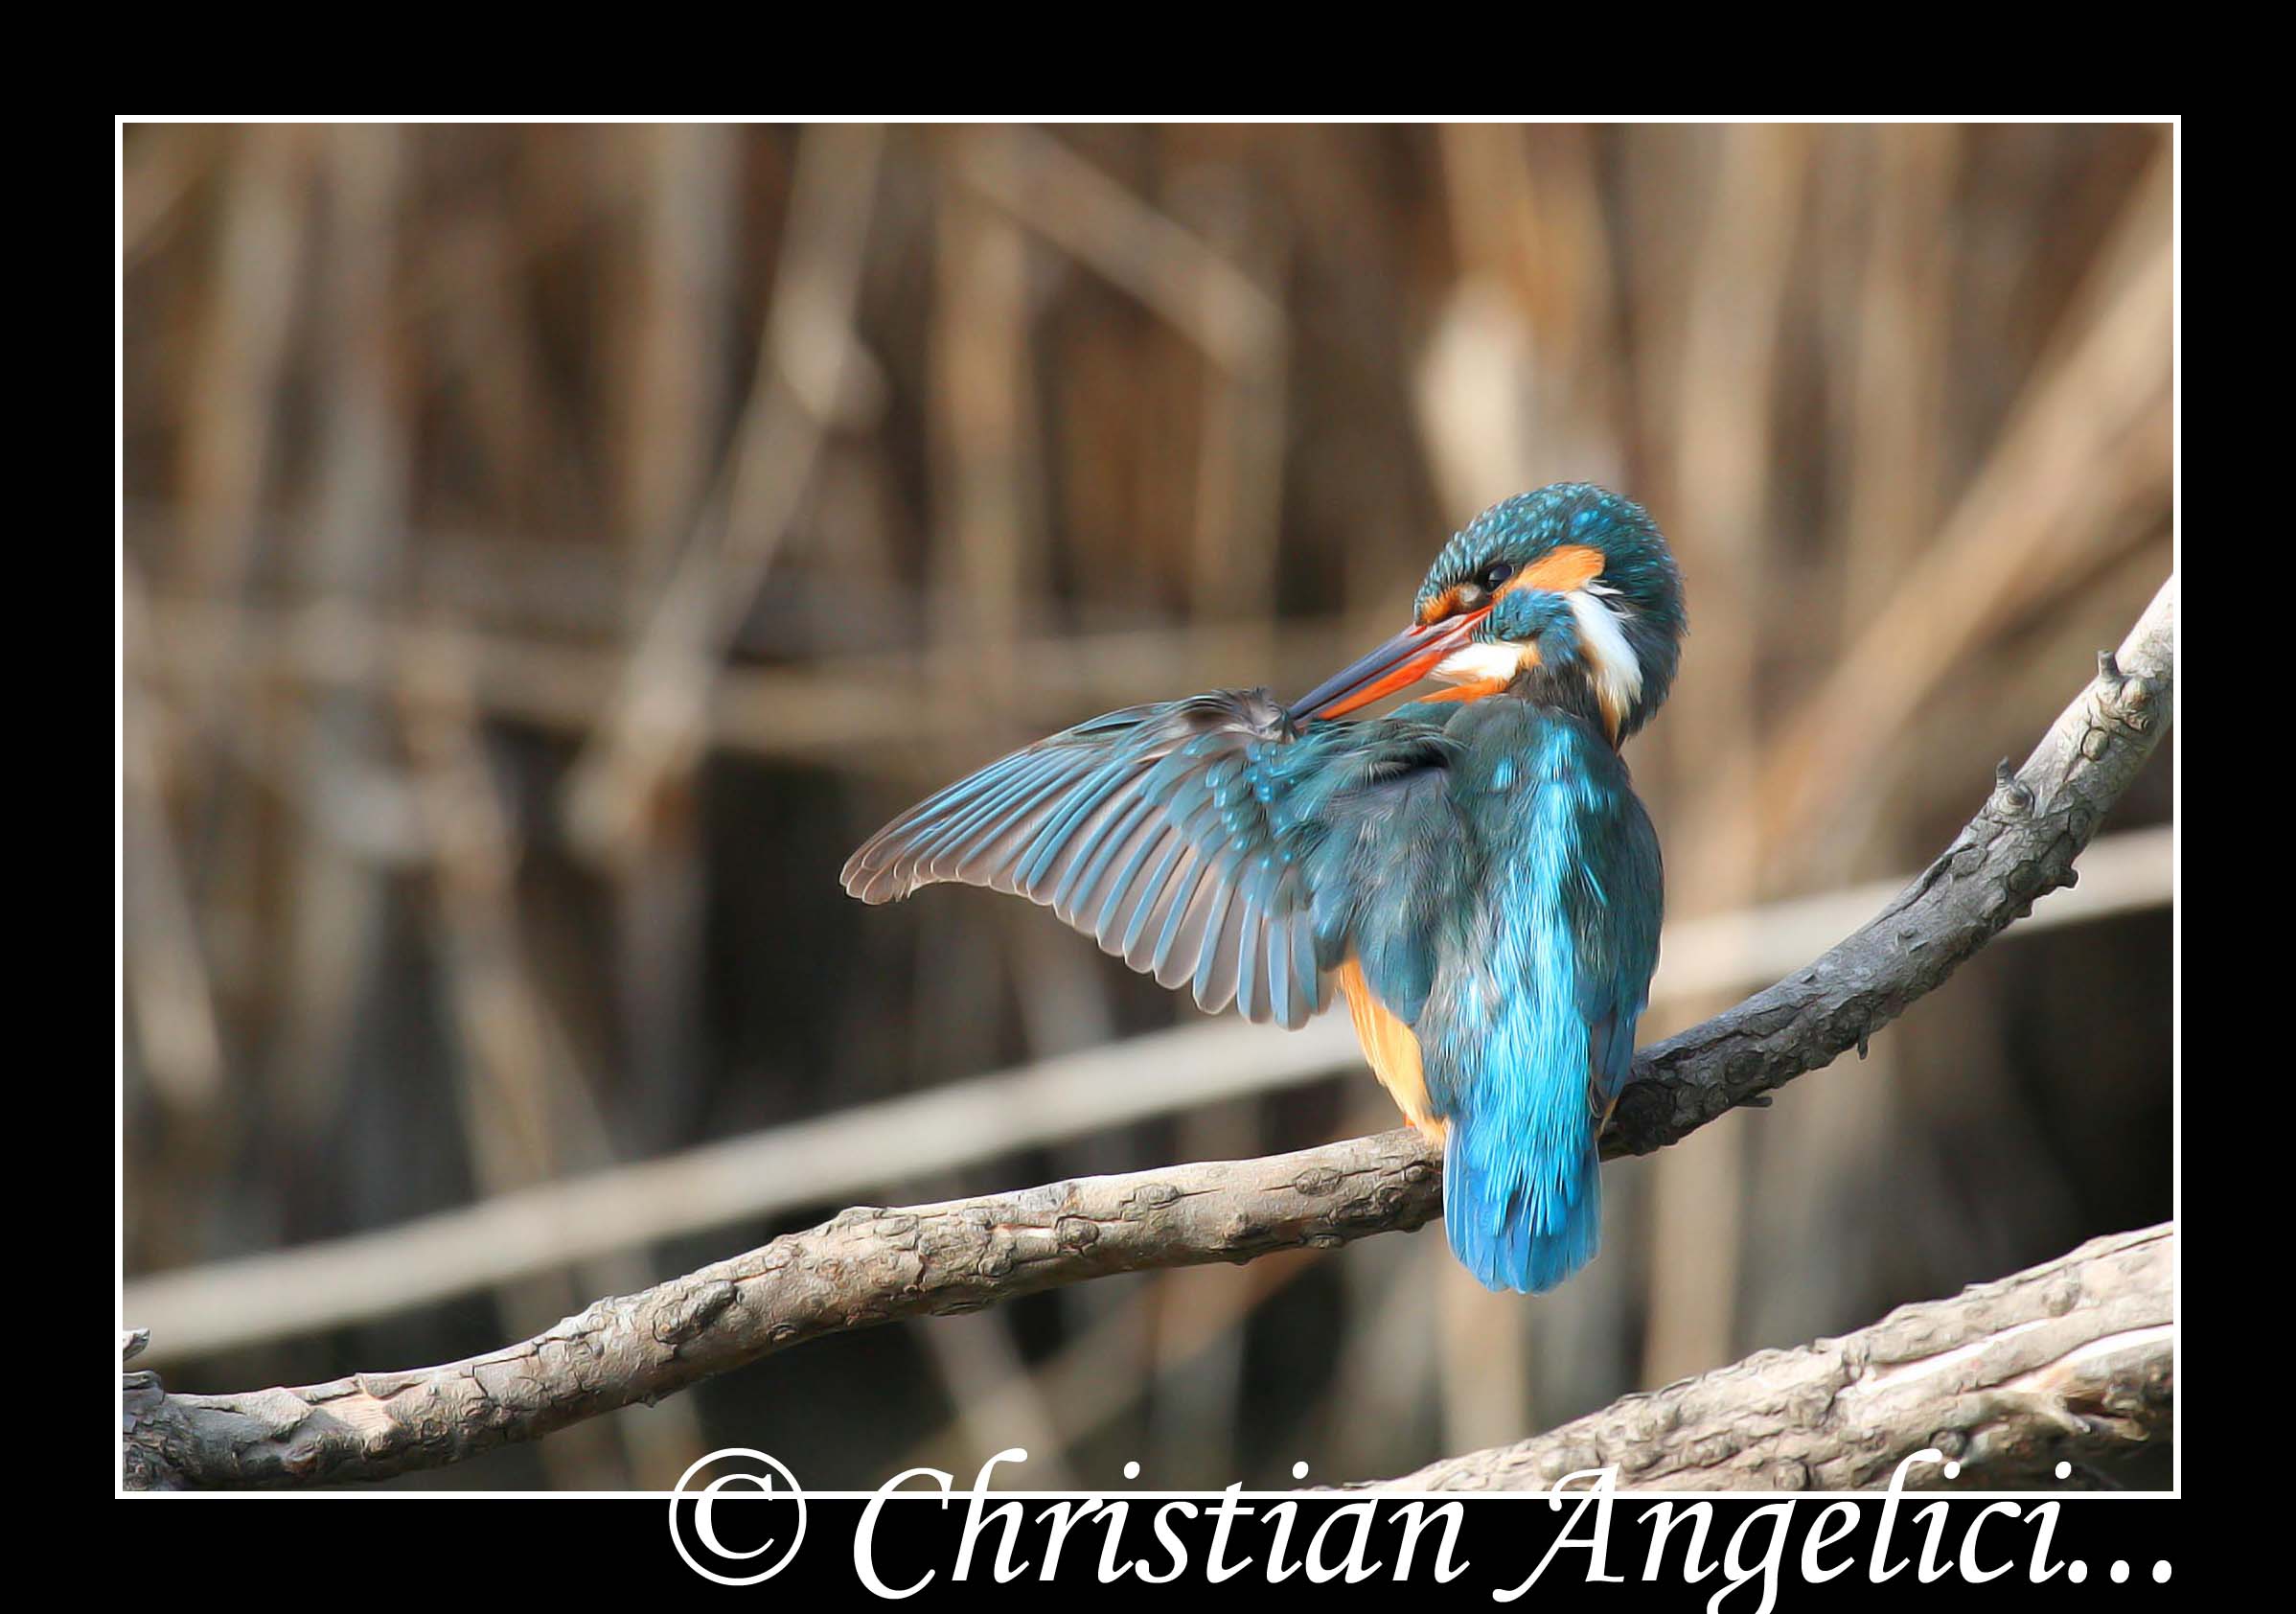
x=549 y=551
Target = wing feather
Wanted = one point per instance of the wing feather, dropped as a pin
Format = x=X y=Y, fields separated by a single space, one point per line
x=1179 y=836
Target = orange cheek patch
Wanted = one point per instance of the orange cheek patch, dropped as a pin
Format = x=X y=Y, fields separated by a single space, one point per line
x=1558 y=572
x=1475 y=691
x=1439 y=608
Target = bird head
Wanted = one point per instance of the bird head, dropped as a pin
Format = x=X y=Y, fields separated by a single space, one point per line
x=1567 y=595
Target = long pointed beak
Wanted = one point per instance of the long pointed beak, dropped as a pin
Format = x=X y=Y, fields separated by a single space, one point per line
x=1397 y=664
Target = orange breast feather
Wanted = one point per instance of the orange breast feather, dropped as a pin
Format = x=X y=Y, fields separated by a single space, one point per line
x=1392 y=1049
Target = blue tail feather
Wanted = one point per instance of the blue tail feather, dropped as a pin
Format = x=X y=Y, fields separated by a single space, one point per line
x=1514 y=1234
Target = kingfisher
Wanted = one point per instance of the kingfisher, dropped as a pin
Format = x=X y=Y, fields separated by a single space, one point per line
x=1473 y=869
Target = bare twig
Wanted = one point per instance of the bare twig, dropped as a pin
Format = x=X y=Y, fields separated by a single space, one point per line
x=1190 y=282
x=2082 y=454
x=870 y=1265
x=655 y=729
x=2070 y=1361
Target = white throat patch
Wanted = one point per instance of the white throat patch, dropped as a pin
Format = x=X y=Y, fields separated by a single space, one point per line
x=1481 y=664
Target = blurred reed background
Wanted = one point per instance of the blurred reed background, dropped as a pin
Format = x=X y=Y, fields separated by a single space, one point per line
x=550 y=550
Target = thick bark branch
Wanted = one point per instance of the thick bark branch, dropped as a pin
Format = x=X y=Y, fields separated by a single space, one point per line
x=871 y=1265
x=2070 y=1361
x=864 y=1267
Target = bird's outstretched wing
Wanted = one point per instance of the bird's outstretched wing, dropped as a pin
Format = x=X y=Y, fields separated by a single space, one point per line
x=1194 y=838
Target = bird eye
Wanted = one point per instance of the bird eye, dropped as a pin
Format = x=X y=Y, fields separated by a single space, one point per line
x=1495 y=574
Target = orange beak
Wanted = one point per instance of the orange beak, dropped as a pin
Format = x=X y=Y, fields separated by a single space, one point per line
x=1397 y=664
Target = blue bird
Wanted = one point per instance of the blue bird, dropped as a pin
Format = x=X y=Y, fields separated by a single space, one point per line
x=1472 y=870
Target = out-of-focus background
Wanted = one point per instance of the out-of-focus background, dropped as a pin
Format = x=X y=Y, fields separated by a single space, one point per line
x=550 y=550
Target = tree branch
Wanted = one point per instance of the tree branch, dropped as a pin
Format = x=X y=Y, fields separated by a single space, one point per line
x=2019 y=847
x=871 y=1265
x=864 y=1267
x=2070 y=1361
